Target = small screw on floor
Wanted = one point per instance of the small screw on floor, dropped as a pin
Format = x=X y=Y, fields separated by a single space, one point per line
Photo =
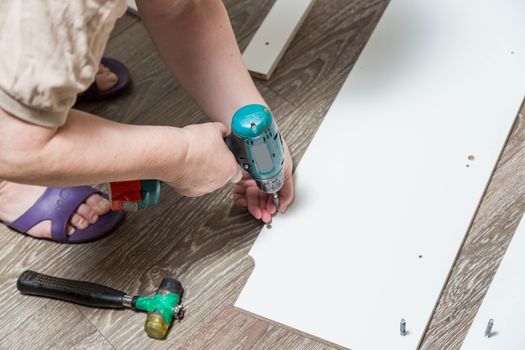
x=403 y=327
x=488 y=330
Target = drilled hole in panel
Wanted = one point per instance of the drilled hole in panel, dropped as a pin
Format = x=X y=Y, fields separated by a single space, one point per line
x=266 y=43
x=471 y=157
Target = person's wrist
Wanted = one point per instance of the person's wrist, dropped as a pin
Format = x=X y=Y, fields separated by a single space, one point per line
x=172 y=146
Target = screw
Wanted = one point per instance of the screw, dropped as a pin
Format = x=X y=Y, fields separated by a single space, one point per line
x=179 y=311
x=403 y=327
x=488 y=330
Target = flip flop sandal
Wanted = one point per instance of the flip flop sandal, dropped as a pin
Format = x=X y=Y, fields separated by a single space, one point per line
x=93 y=94
x=58 y=204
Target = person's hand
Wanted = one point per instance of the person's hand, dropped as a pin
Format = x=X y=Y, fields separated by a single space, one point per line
x=208 y=163
x=260 y=205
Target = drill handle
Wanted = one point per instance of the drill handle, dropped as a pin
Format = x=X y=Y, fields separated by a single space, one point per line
x=78 y=292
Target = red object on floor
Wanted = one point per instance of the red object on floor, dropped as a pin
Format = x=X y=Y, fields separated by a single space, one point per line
x=124 y=191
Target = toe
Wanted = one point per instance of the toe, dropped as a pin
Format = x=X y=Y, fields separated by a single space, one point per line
x=79 y=222
x=106 y=80
x=102 y=68
x=87 y=213
x=98 y=204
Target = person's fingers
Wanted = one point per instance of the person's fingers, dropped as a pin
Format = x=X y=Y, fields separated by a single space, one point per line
x=248 y=182
x=241 y=202
x=238 y=196
x=222 y=128
x=270 y=205
x=266 y=217
x=252 y=197
x=237 y=176
x=286 y=195
x=263 y=199
x=238 y=189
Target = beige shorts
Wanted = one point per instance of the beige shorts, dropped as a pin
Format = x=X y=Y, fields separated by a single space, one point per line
x=50 y=51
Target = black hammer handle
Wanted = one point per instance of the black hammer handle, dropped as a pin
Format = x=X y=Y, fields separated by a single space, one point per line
x=79 y=292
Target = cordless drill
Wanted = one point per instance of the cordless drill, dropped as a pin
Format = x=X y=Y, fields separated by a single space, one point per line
x=256 y=144
x=162 y=307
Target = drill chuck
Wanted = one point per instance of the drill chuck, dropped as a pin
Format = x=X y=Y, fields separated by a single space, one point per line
x=273 y=184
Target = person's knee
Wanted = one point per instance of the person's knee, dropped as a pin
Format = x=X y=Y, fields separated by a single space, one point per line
x=179 y=9
x=20 y=143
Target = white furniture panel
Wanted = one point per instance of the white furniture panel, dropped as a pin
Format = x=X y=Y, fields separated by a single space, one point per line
x=386 y=191
x=274 y=35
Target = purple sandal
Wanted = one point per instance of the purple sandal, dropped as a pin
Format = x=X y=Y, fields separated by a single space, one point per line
x=93 y=94
x=58 y=204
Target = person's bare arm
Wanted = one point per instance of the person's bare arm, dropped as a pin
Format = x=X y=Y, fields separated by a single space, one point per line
x=197 y=43
x=89 y=149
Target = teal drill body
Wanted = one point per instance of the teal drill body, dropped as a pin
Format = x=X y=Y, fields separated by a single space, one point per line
x=258 y=148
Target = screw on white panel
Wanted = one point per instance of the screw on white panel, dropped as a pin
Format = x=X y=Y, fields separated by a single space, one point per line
x=403 y=327
x=488 y=330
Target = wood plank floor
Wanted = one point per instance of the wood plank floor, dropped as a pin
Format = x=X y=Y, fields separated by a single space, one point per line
x=204 y=241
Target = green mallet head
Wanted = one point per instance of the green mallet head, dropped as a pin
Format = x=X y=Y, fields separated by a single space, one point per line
x=162 y=307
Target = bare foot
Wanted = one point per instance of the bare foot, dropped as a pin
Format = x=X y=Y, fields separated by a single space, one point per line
x=15 y=199
x=105 y=78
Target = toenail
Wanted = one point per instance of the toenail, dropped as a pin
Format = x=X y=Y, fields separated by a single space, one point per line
x=103 y=204
x=82 y=223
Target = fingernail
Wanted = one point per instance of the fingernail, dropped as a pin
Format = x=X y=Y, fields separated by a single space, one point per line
x=103 y=204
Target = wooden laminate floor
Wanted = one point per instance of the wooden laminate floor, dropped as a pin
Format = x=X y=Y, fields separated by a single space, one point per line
x=204 y=241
